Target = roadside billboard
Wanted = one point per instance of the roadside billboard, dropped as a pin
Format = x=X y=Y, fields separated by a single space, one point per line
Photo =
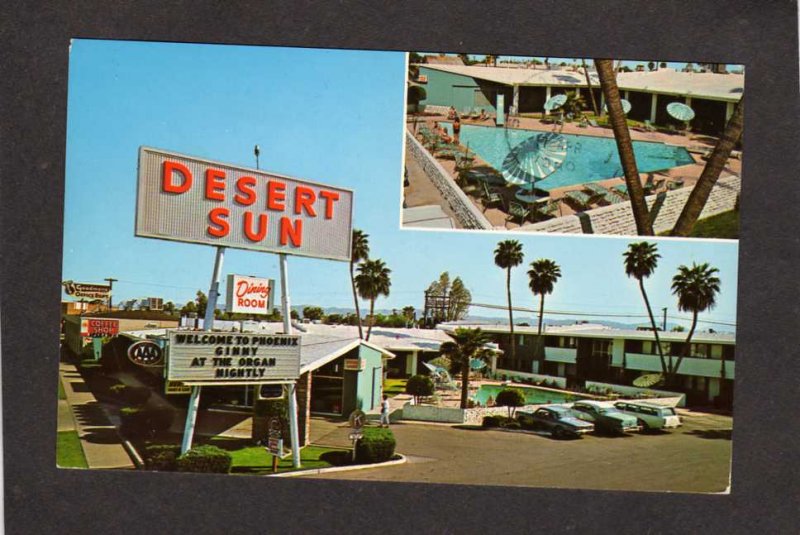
x=188 y=199
x=87 y=290
x=210 y=358
x=249 y=295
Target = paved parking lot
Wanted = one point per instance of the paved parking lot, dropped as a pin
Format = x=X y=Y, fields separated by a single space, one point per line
x=693 y=458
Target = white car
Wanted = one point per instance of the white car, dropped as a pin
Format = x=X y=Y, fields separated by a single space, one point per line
x=650 y=415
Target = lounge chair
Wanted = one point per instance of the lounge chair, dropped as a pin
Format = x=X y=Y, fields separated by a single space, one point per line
x=648 y=126
x=604 y=194
x=547 y=208
x=676 y=183
x=474 y=114
x=490 y=198
x=621 y=189
x=517 y=211
x=578 y=199
x=653 y=187
x=592 y=122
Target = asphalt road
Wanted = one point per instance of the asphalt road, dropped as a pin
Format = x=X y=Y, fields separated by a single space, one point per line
x=692 y=458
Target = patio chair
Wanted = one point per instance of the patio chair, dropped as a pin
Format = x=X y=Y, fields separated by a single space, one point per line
x=621 y=189
x=490 y=198
x=517 y=211
x=578 y=199
x=593 y=123
x=604 y=194
x=547 y=209
x=648 y=126
x=676 y=183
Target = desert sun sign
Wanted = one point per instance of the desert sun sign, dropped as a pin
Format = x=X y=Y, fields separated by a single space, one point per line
x=188 y=199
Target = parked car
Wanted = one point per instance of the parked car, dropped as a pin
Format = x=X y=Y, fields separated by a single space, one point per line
x=650 y=415
x=605 y=419
x=557 y=419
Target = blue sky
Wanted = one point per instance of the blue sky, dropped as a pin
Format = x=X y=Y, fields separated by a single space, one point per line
x=333 y=116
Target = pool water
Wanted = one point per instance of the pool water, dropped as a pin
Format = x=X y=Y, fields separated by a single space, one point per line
x=533 y=395
x=589 y=158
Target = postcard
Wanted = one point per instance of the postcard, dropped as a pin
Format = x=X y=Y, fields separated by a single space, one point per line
x=406 y=267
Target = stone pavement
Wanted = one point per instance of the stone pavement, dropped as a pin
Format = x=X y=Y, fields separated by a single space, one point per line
x=102 y=445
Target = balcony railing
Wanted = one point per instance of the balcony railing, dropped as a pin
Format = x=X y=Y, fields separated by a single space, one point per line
x=689 y=366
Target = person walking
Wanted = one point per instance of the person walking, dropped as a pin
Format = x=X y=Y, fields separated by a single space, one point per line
x=385 y=412
x=456 y=129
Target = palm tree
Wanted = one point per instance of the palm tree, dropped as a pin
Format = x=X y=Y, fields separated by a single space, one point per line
x=543 y=275
x=507 y=255
x=608 y=82
x=371 y=282
x=641 y=260
x=359 y=251
x=467 y=344
x=697 y=288
x=716 y=163
x=589 y=87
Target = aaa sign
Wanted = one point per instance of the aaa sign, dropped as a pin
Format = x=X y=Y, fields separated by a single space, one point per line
x=189 y=199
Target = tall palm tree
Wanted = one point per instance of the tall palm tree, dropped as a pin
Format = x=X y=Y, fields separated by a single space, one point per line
x=589 y=87
x=543 y=275
x=716 y=163
x=372 y=281
x=508 y=255
x=467 y=344
x=359 y=250
x=608 y=82
x=641 y=260
x=697 y=288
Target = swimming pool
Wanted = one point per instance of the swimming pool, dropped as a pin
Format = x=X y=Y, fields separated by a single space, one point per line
x=533 y=395
x=589 y=158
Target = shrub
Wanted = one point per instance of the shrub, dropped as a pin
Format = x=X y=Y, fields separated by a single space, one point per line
x=490 y=421
x=205 y=459
x=145 y=421
x=419 y=386
x=511 y=398
x=162 y=457
x=133 y=395
x=376 y=446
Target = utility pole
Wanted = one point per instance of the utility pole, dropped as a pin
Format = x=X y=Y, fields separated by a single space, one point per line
x=257 y=152
x=664 y=328
x=110 y=288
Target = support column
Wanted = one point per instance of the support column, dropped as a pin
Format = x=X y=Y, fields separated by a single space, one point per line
x=627 y=95
x=414 y=362
x=304 y=409
x=515 y=100
x=728 y=111
x=653 y=108
x=547 y=93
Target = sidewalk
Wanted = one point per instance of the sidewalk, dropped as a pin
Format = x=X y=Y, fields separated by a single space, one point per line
x=81 y=412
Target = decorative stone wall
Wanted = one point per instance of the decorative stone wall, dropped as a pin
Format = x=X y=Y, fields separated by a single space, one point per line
x=303 y=408
x=618 y=219
x=468 y=215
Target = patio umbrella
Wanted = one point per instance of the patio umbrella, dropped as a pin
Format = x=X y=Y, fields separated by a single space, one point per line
x=476 y=364
x=648 y=380
x=537 y=157
x=555 y=102
x=680 y=111
x=626 y=106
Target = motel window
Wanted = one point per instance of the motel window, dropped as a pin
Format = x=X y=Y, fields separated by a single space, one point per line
x=522 y=339
x=716 y=352
x=727 y=352
x=633 y=346
x=700 y=350
x=601 y=348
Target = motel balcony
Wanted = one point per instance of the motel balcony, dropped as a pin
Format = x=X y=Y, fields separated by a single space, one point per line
x=561 y=354
x=700 y=367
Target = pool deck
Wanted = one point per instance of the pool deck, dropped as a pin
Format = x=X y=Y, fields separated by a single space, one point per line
x=421 y=192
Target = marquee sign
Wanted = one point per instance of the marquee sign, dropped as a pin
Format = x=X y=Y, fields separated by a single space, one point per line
x=94 y=327
x=249 y=295
x=210 y=358
x=188 y=199
x=86 y=290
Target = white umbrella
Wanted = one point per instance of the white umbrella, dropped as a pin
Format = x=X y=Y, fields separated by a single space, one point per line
x=626 y=106
x=555 y=102
x=537 y=157
x=680 y=111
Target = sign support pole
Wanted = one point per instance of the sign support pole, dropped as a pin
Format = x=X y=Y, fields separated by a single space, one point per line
x=287 y=329
x=208 y=324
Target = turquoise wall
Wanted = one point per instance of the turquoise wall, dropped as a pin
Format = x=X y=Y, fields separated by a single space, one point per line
x=461 y=92
x=362 y=389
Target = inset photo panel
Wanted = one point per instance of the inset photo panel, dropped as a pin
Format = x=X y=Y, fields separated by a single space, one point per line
x=573 y=145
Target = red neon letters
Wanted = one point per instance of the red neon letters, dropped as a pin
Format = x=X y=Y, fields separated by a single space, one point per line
x=265 y=196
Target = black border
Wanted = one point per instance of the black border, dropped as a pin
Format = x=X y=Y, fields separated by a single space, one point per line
x=41 y=498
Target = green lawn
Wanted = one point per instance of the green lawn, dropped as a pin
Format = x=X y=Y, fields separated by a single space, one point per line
x=61 y=393
x=392 y=387
x=69 y=453
x=724 y=225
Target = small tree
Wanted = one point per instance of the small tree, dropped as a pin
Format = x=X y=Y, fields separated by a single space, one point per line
x=313 y=313
x=511 y=398
x=419 y=386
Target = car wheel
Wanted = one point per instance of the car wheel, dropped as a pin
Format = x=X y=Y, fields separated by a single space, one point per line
x=558 y=432
x=645 y=428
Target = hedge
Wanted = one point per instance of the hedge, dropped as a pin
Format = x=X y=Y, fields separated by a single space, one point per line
x=162 y=457
x=376 y=446
x=145 y=421
x=133 y=395
x=205 y=459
